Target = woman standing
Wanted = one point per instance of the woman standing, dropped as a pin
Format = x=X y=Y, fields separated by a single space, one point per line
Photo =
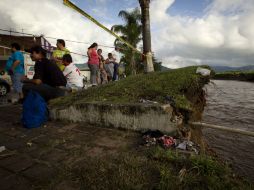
x=93 y=63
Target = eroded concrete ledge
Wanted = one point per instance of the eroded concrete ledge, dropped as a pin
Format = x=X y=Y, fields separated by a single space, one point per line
x=128 y=116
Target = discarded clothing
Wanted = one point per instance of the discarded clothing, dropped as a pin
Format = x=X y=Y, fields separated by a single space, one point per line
x=152 y=138
x=167 y=141
x=187 y=145
x=157 y=137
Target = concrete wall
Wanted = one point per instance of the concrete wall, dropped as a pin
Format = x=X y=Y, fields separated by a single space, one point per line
x=135 y=117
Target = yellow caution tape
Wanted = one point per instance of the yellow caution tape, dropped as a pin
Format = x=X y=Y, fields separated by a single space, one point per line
x=73 y=6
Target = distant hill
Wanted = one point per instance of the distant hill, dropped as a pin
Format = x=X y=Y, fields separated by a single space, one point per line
x=163 y=68
x=226 y=68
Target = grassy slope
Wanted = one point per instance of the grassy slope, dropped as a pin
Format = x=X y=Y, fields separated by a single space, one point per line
x=154 y=168
x=154 y=86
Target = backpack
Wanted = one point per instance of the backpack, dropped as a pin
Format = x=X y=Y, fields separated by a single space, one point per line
x=35 y=111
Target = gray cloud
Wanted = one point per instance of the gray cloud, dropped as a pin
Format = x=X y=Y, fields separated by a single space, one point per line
x=223 y=36
x=52 y=18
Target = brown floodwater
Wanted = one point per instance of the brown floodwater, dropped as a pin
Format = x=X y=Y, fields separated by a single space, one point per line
x=231 y=104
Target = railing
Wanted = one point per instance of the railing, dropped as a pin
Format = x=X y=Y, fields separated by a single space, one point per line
x=239 y=131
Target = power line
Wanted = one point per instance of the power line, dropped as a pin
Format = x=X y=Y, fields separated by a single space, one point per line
x=72 y=41
x=5 y=47
x=76 y=8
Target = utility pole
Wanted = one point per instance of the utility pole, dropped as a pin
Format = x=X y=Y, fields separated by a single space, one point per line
x=145 y=5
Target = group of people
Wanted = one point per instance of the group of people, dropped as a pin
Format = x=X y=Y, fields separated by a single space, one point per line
x=102 y=70
x=53 y=77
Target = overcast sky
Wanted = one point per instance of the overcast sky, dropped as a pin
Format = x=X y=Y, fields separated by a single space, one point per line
x=184 y=32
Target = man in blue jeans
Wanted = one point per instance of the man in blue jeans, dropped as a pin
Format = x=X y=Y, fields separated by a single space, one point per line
x=48 y=79
x=15 y=68
x=116 y=57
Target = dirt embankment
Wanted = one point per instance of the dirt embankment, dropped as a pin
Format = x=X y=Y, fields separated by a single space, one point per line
x=181 y=88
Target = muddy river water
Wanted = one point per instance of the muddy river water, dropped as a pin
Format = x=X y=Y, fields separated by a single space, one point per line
x=231 y=104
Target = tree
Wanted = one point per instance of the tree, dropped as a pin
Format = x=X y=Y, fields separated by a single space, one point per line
x=156 y=64
x=131 y=32
x=144 y=4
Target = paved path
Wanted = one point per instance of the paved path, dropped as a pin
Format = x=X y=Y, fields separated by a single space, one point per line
x=37 y=158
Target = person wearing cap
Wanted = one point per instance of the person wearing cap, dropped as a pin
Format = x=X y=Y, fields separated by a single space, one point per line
x=59 y=53
x=48 y=79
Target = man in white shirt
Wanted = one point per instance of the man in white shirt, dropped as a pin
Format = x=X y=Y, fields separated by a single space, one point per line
x=116 y=56
x=72 y=74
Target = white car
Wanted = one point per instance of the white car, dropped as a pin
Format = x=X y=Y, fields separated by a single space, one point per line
x=5 y=84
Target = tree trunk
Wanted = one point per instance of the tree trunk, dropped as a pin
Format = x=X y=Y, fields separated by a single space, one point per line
x=133 y=64
x=144 y=4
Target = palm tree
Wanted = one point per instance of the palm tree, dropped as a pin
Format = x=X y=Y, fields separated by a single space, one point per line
x=130 y=32
x=144 y=4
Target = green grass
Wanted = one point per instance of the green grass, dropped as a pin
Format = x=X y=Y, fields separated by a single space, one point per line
x=155 y=168
x=154 y=86
x=179 y=171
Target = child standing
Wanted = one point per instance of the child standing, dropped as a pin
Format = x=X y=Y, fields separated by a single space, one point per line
x=109 y=66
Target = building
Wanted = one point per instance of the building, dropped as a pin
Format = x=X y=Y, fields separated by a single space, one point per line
x=26 y=42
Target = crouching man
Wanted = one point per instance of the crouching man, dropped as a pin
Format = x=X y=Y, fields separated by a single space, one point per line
x=48 y=79
x=72 y=74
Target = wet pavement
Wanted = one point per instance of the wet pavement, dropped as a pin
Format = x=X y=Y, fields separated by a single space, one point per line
x=35 y=158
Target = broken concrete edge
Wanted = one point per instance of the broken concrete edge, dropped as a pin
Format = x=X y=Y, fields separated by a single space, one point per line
x=138 y=117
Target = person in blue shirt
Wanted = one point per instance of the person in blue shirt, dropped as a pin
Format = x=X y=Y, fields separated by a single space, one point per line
x=15 y=68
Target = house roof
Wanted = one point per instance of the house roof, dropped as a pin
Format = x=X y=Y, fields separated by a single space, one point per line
x=26 y=42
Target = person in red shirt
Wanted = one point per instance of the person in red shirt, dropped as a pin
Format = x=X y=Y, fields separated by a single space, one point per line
x=93 y=64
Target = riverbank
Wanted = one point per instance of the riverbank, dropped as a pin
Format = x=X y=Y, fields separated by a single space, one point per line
x=235 y=75
x=70 y=156
x=180 y=87
x=138 y=102
x=158 y=168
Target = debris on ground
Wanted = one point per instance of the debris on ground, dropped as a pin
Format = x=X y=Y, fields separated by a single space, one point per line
x=2 y=148
x=203 y=71
x=147 y=101
x=169 y=100
x=152 y=138
x=29 y=144
x=167 y=141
